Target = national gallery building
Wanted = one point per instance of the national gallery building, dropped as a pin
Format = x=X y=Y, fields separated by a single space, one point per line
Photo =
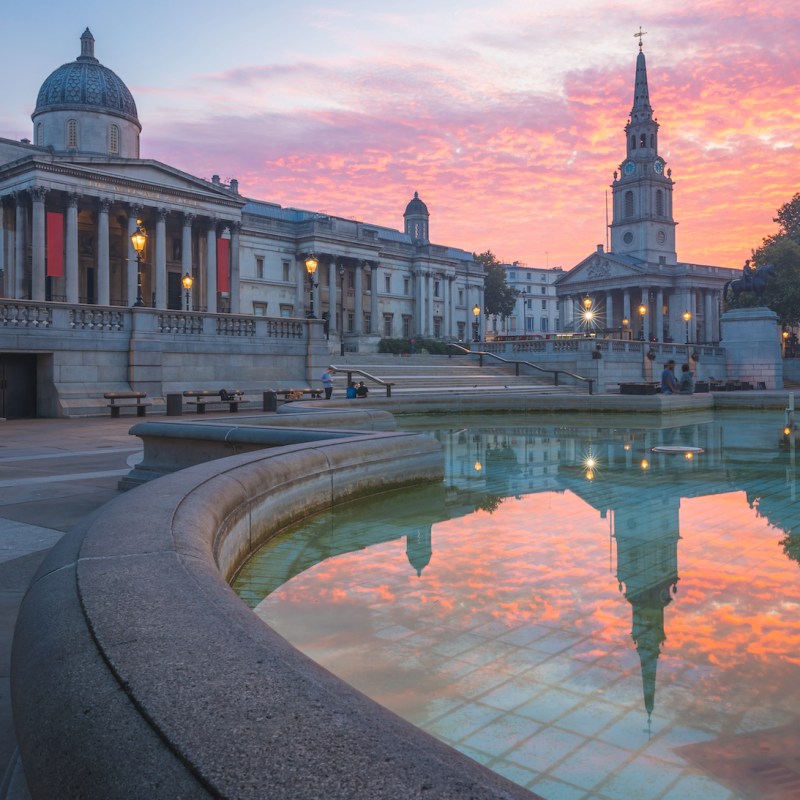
x=71 y=199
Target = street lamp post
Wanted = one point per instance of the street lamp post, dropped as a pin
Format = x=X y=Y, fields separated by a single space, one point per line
x=476 y=310
x=686 y=317
x=138 y=240
x=642 y=312
x=625 y=325
x=311 y=268
x=524 y=312
x=187 y=282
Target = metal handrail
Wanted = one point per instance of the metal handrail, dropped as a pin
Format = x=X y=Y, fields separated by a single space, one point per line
x=350 y=372
x=556 y=372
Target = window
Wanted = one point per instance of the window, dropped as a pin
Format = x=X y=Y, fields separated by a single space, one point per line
x=544 y=305
x=512 y=275
x=659 y=203
x=528 y=276
x=286 y=268
x=633 y=142
x=405 y=286
x=436 y=288
x=628 y=204
x=367 y=322
x=287 y=311
x=461 y=329
x=260 y=309
x=543 y=324
x=113 y=140
x=387 y=325
x=643 y=140
x=544 y=290
x=461 y=297
x=530 y=323
x=260 y=267
x=72 y=134
x=406 y=326
x=529 y=304
x=388 y=283
x=437 y=327
x=368 y=281
x=351 y=322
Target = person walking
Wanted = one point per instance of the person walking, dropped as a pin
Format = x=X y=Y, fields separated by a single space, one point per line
x=327 y=382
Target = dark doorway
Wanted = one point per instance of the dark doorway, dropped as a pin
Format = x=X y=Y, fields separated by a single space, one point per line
x=174 y=289
x=91 y=291
x=17 y=385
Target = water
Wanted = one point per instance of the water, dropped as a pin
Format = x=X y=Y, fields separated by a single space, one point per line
x=583 y=615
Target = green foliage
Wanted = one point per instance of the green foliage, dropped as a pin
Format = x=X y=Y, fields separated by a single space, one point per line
x=498 y=297
x=789 y=219
x=421 y=346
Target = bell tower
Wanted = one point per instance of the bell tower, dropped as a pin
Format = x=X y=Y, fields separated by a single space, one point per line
x=642 y=224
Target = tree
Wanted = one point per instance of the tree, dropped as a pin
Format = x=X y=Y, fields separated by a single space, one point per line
x=498 y=297
x=782 y=250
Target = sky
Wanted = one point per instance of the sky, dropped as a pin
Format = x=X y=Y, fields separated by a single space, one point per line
x=506 y=116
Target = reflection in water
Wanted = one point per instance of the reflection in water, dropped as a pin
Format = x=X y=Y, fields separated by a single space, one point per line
x=501 y=604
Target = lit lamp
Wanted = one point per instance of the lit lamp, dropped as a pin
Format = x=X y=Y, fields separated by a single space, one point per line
x=642 y=312
x=785 y=335
x=587 y=302
x=311 y=268
x=187 y=280
x=139 y=240
x=686 y=317
x=625 y=325
x=476 y=310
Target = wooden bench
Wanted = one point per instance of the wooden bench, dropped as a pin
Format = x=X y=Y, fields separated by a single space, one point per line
x=639 y=388
x=206 y=397
x=120 y=400
x=298 y=394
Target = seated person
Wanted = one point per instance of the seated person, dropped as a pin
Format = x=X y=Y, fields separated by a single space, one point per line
x=362 y=390
x=350 y=392
x=668 y=383
x=686 y=384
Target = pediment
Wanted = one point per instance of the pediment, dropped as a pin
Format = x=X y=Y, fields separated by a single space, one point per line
x=601 y=268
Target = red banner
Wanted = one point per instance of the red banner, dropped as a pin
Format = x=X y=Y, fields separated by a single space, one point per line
x=223 y=265
x=55 y=244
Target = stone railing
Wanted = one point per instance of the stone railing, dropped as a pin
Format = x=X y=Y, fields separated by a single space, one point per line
x=22 y=314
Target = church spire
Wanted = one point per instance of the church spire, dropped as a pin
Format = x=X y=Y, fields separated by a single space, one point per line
x=642 y=111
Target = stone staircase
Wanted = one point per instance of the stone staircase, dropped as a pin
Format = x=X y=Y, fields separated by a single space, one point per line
x=427 y=373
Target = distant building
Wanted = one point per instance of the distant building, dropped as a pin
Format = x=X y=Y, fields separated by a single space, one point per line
x=537 y=308
x=640 y=288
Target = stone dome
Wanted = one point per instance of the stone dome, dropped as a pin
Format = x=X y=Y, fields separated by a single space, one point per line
x=416 y=207
x=86 y=85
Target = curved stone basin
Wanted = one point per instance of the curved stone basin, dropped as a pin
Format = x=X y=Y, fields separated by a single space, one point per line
x=136 y=671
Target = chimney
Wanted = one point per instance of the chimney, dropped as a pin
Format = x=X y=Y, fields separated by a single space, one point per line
x=215 y=180
x=234 y=186
x=599 y=248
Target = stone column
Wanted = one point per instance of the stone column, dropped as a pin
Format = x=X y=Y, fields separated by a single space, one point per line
x=301 y=281
x=626 y=306
x=103 y=254
x=645 y=320
x=447 y=289
x=211 y=266
x=373 y=301
x=659 y=330
x=187 y=260
x=609 y=309
x=431 y=303
x=161 y=257
x=71 y=250
x=358 y=306
x=419 y=303
x=8 y=278
x=236 y=300
x=20 y=229
x=38 y=243
x=333 y=277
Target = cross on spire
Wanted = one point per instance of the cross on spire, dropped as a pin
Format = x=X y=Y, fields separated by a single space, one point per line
x=639 y=36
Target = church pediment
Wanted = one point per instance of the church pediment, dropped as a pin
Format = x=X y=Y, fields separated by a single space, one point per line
x=599 y=268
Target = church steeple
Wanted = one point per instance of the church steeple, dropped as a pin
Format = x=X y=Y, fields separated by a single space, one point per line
x=643 y=226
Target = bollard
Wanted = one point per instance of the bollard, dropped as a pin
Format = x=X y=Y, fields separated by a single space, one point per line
x=174 y=405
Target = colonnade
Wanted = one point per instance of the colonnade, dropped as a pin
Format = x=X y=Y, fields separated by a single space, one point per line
x=664 y=312
x=100 y=241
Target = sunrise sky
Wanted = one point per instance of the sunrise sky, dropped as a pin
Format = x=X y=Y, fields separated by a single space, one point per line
x=506 y=117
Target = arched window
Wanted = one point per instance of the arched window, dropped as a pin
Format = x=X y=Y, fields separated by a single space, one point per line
x=628 y=204
x=40 y=134
x=659 y=203
x=643 y=140
x=72 y=134
x=633 y=142
x=113 y=140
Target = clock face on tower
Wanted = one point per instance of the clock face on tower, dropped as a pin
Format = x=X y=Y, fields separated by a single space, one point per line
x=658 y=167
x=629 y=168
